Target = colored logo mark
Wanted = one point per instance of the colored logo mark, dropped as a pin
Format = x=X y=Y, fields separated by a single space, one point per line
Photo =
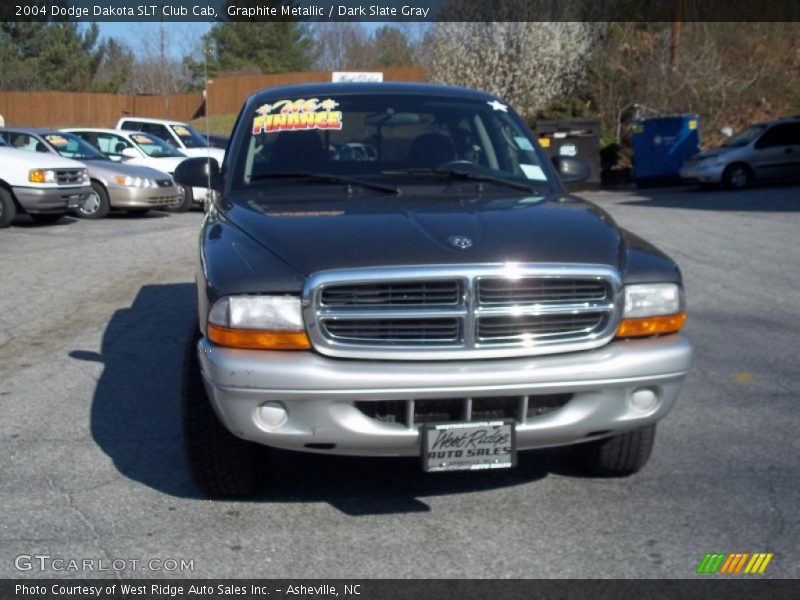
x=733 y=563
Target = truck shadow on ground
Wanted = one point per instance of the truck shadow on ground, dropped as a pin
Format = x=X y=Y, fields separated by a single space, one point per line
x=759 y=198
x=135 y=420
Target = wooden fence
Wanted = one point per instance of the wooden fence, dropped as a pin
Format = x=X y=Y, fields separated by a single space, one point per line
x=65 y=109
x=225 y=95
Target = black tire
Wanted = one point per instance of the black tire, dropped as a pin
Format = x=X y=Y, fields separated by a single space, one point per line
x=737 y=176
x=618 y=456
x=8 y=210
x=47 y=218
x=221 y=464
x=186 y=201
x=96 y=206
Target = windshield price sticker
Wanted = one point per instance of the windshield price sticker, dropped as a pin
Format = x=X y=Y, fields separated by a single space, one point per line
x=469 y=446
x=57 y=140
x=181 y=131
x=141 y=139
x=297 y=115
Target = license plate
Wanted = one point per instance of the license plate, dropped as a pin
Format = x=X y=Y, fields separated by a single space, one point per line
x=469 y=446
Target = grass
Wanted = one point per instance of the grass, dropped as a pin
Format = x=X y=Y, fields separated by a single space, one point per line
x=219 y=124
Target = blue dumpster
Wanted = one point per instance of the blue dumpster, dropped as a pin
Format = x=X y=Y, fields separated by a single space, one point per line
x=660 y=147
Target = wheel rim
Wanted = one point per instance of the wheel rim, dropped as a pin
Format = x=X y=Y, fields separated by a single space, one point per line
x=91 y=205
x=738 y=177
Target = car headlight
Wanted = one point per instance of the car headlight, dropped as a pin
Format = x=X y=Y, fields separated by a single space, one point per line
x=42 y=176
x=652 y=309
x=134 y=182
x=258 y=322
x=711 y=161
x=86 y=176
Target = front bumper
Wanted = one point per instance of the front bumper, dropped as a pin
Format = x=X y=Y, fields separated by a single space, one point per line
x=703 y=175
x=51 y=199
x=319 y=393
x=155 y=197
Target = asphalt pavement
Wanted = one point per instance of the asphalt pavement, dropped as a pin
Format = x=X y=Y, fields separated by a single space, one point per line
x=93 y=320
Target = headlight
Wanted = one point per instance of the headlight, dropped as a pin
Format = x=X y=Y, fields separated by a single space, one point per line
x=711 y=161
x=258 y=322
x=134 y=182
x=86 y=176
x=652 y=309
x=42 y=176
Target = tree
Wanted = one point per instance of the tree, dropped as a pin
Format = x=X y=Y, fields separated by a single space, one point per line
x=392 y=47
x=260 y=47
x=528 y=63
x=115 y=68
x=48 y=56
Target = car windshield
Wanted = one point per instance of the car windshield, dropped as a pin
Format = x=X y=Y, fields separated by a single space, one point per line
x=744 y=137
x=189 y=136
x=154 y=146
x=71 y=146
x=395 y=139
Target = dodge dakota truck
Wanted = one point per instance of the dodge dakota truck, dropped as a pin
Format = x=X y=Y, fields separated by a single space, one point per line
x=439 y=295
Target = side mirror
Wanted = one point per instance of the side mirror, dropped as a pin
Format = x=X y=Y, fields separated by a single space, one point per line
x=196 y=172
x=130 y=153
x=571 y=169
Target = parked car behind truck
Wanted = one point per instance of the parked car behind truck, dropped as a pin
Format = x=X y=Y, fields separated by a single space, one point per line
x=763 y=152
x=43 y=186
x=448 y=300
x=114 y=185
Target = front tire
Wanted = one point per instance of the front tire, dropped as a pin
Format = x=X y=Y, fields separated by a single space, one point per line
x=618 y=456
x=96 y=206
x=8 y=209
x=186 y=200
x=221 y=464
x=737 y=176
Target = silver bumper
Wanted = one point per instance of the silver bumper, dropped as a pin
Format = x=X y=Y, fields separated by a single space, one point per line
x=703 y=175
x=51 y=199
x=318 y=393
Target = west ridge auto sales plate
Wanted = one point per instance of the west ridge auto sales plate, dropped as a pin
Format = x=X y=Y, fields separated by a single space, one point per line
x=469 y=446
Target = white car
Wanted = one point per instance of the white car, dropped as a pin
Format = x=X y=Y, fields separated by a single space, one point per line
x=181 y=135
x=41 y=185
x=141 y=149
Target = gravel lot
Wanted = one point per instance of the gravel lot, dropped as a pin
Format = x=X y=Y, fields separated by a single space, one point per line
x=93 y=317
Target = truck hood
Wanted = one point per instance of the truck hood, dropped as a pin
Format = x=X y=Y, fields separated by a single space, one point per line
x=217 y=153
x=37 y=160
x=312 y=235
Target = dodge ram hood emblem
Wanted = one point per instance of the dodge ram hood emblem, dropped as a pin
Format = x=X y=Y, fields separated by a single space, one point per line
x=460 y=241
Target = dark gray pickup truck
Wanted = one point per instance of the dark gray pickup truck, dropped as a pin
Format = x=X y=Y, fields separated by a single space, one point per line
x=397 y=270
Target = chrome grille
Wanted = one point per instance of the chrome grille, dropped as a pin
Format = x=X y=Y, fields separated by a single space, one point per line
x=413 y=293
x=533 y=290
x=461 y=311
x=69 y=176
x=394 y=330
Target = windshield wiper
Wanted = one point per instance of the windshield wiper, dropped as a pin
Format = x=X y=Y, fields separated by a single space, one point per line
x=327 y=178
x=464 y=174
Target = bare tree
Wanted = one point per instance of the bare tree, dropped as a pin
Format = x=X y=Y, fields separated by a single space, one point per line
x=528 y=64
x=343 y=46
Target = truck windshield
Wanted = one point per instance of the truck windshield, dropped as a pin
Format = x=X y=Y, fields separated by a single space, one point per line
x=154 y=146
x=189 y=136
x=407 y=139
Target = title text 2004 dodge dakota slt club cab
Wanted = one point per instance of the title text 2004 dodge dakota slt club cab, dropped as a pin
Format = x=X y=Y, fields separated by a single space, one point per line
x=436 y=295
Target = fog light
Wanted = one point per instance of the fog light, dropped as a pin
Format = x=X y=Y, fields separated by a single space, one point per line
x=644 y=399
x=272 y=414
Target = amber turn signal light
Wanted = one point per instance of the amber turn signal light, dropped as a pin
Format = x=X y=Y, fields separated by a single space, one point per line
x=646 y=326
x=258 y=340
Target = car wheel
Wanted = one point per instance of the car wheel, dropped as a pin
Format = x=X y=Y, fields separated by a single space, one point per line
x=96 y=205
x=47 y=218
x=7 y=208
x=736 y=176
x=618 y=456
x=186 y=200
x=221 y=464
